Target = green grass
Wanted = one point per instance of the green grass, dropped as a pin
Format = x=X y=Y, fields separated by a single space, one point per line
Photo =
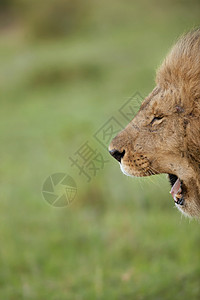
x=121 y=238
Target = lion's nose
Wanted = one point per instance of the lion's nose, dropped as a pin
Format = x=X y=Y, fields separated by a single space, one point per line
x=116 y=154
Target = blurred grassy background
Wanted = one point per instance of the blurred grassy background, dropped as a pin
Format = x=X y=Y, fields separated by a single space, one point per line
x=66 y=68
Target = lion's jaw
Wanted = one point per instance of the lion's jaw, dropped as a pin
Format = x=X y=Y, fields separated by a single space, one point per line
x=156 y=141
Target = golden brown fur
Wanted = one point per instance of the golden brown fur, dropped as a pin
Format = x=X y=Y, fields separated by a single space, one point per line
x=164 y=136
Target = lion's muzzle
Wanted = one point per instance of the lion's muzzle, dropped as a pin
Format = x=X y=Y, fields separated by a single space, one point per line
x=117 y=154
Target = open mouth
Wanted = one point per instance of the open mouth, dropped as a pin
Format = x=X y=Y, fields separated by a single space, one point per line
x=177 y=190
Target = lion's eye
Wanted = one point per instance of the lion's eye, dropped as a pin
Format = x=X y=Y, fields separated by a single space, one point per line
x=157 y=119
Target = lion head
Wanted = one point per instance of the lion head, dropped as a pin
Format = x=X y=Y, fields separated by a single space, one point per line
x=164 y=136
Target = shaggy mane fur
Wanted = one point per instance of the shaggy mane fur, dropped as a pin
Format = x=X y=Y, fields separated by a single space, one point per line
x=181 y=71
x=181 y=67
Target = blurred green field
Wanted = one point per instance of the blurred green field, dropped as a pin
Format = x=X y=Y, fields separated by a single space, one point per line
x=121 y=238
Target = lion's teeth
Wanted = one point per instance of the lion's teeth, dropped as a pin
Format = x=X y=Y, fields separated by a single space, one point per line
x=178 y=196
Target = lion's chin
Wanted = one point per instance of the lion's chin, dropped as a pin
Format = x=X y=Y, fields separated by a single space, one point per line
x=178 y=189
x=183 y=191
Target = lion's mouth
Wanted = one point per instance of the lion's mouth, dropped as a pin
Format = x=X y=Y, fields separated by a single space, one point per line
x=177 y=190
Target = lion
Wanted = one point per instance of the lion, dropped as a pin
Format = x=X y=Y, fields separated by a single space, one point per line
x=164 y=136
